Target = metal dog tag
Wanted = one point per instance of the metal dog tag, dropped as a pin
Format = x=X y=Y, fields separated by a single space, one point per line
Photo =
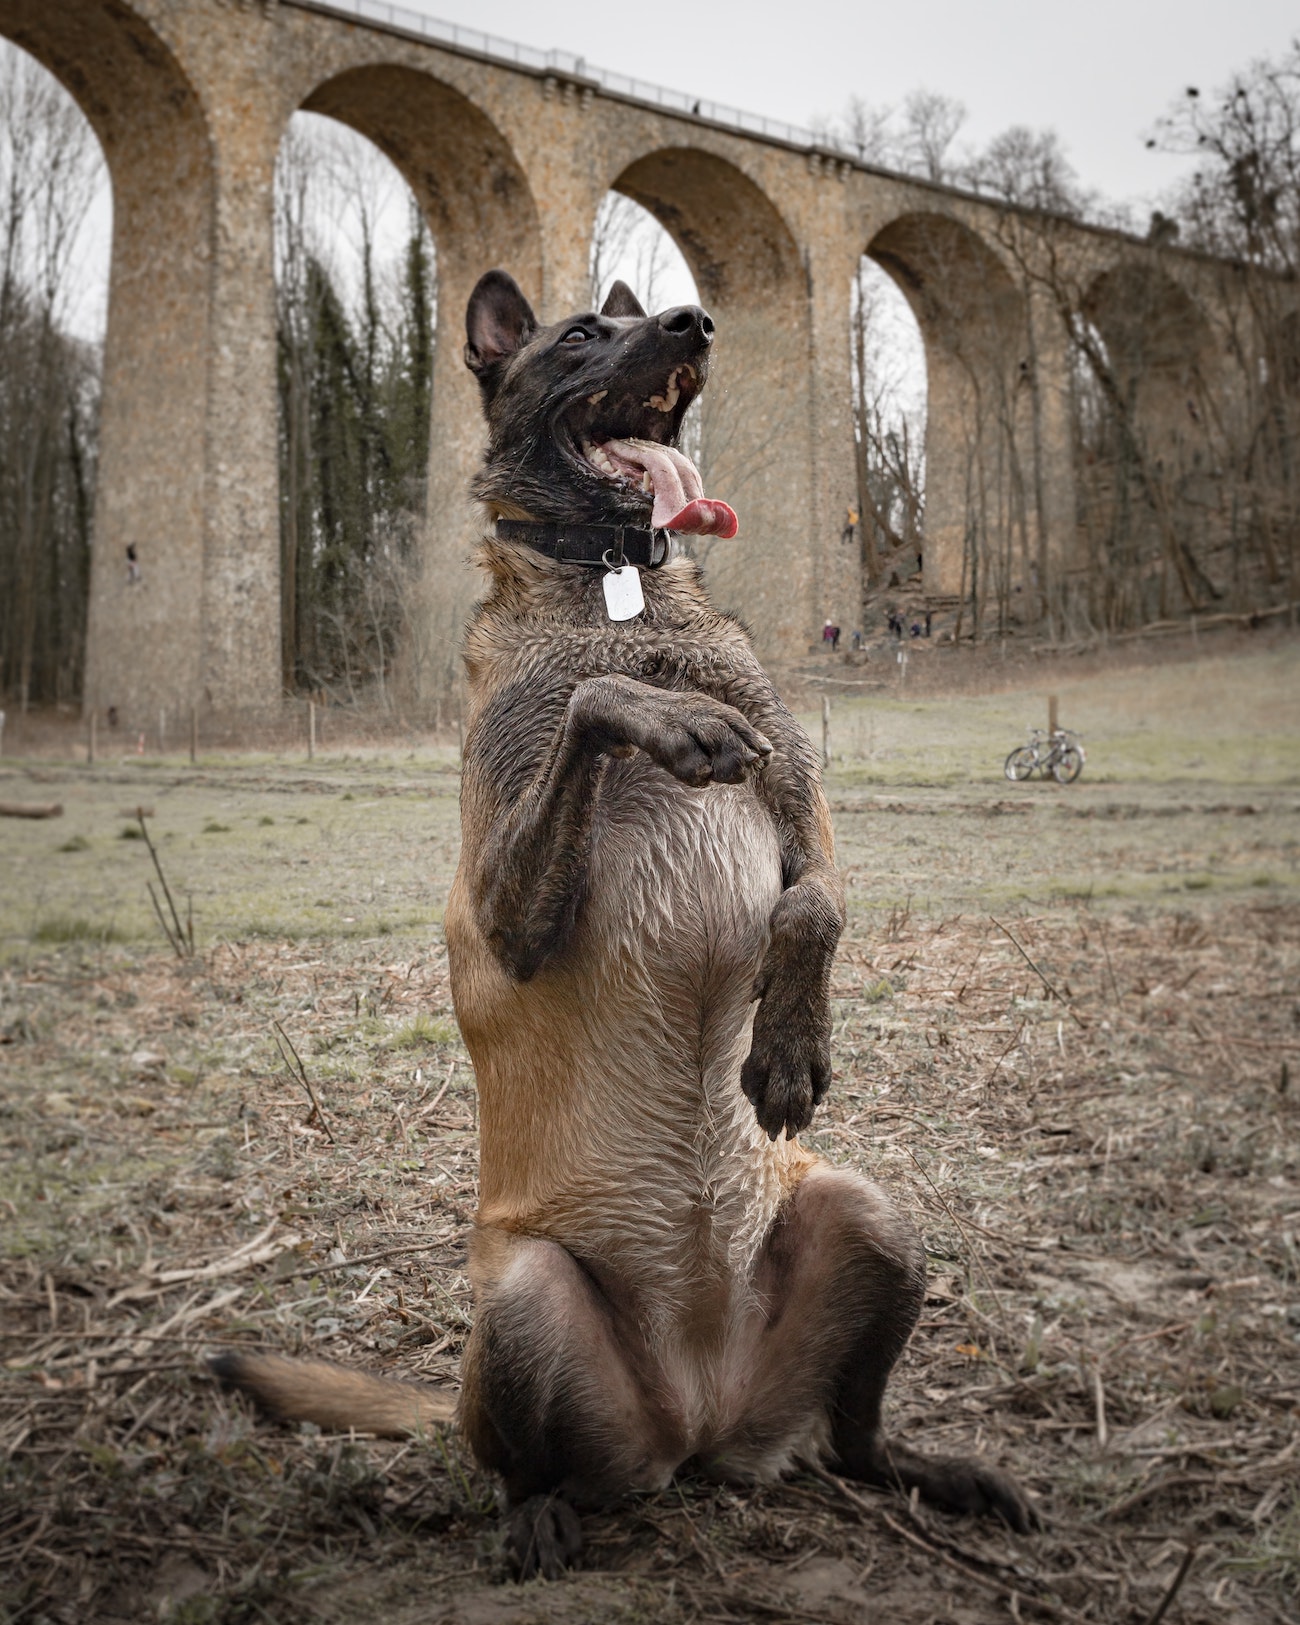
x=624 y=599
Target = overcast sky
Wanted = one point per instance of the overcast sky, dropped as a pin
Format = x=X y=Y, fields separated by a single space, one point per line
x=1099 y=72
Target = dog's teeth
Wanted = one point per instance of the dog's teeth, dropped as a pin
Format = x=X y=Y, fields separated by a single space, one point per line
x=597 y=398
x=671 y=394
x=647 y=484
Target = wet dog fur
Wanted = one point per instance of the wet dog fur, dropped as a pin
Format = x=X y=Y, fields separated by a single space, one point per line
x=641 y=933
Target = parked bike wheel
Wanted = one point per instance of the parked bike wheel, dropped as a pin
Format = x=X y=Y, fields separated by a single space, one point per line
x=1021 y=763
x=1068 y=765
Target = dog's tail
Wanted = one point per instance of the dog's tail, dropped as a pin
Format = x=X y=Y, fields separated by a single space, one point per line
x=334 y=1397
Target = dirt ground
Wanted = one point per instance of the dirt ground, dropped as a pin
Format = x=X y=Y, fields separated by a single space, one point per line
x=1067 y=1032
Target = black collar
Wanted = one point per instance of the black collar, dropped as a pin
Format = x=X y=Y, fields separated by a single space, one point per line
x=608 y=545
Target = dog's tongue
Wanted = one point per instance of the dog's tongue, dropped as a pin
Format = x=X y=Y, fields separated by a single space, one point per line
x=680 y=502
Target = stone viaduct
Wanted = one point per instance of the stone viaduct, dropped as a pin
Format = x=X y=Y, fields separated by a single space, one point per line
x=509 y=160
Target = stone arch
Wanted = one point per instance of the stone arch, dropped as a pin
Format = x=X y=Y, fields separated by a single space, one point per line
x=1160 y=350
x=972 y=319
x=143 y=642
x=468 y=181
x=756 y=413
x=1149 y=470
x=736 y=243
x=475 y=195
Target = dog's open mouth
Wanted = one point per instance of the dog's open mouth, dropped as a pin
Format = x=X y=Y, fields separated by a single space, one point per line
x=679 y=500
x=611 y=447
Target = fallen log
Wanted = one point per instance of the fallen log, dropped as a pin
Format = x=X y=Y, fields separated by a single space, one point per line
x=31 y=809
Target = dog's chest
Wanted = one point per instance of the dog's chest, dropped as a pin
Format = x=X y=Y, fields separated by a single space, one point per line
x=679 y=880
x=671 y=934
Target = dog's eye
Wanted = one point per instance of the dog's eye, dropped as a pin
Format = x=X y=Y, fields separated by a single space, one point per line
x=576 y=335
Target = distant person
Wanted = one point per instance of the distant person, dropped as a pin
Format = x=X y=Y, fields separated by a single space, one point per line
x=856 y=640
x=835 y=639
x=916 y=629
x=828 y=633
x=928 y=616
x=133 y=576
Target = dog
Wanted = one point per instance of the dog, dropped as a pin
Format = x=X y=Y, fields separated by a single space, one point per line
x=641 y=932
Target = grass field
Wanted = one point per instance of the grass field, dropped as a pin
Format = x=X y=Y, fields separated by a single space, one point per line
x=1067 y=1027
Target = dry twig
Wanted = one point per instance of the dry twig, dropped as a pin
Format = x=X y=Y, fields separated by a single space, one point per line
x=299 y=1071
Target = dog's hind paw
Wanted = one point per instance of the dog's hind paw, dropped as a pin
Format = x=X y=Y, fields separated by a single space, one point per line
x=955 y=1483
x=543 y=1535
x=969 y=1485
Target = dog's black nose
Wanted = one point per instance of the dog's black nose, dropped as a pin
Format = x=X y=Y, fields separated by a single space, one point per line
x=688 y=321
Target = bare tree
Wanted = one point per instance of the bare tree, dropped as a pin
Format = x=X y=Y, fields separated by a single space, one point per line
x=628 y=242
x=50 y=171
x=1028 y=168
x=888 y=368
x=930 y=124
x=356 y=312
x=916 y=138
x=864 y=130
x=1242 y=204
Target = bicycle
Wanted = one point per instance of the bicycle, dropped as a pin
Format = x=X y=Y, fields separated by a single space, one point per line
x=1061 y=754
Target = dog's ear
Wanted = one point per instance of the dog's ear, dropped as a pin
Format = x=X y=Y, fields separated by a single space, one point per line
x=497 y=321
x=621 y=301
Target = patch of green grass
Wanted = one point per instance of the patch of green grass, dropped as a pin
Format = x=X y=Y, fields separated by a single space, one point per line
x=57 y=928
x=283 y=930
x=130 y=832
x=212 y=827
x=421 y=1030
x=76 y=843
x=266 y=819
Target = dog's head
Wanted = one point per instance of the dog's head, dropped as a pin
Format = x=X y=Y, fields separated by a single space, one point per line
x=583 y=416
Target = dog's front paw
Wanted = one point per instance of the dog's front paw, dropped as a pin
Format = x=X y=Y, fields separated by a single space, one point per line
x=699 y=740
x=696 y=738
x=786 y=1074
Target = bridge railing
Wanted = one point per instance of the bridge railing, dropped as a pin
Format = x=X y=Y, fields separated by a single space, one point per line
x=401 y=19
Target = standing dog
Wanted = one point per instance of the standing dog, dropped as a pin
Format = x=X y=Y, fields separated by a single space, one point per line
x=641 y=932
